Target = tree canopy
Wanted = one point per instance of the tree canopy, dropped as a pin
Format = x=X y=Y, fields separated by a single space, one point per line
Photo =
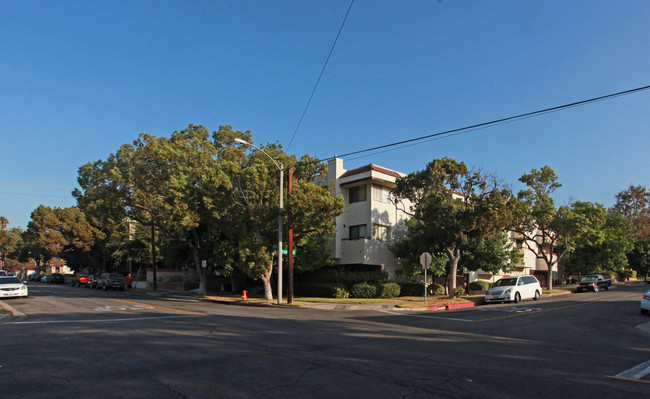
x=453 y=204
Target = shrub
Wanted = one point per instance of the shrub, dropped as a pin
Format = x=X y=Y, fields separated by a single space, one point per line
x=363 y=290
x=388 y=290
x=459 y=291
x=412 y=289
x=340 y=292
x=437 y=289
x=323 y=290
x=479 y=285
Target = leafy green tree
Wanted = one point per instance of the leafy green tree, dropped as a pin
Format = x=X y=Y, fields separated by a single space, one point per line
x=104 y=210
x=11 y=242
x=175 y=185
x=43 y=235
x=414 y=243
x=62 y=232
x=548 y=231
x=492 y=256
x=253 y=220
x=634 y=204
x=454 y=204
x=4 y=222
x=602 y=240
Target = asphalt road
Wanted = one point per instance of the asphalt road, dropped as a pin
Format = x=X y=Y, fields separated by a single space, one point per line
x=83 y=343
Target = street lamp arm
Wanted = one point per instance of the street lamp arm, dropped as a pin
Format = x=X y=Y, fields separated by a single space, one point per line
x=240 y=141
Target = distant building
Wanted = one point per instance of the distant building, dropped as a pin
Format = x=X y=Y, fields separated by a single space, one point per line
x=57 y=265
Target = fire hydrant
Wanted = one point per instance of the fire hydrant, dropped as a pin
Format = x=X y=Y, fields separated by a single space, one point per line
x=243 y=295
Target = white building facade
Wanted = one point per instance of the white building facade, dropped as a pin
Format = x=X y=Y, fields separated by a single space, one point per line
x=371 y=221
x=366 y=227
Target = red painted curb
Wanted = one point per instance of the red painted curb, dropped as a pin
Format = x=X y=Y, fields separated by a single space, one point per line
x=452 y=306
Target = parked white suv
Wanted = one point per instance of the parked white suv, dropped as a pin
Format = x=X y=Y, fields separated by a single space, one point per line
x=514 y=288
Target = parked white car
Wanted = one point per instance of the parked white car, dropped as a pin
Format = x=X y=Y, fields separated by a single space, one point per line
x=12 y=286
x=514 y=289
x=645 y=303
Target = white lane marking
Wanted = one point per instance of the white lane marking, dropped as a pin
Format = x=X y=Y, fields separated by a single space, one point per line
x=510 y=309
x=125 y=307
x=100 y=321
x=426 y=316
x=636 y=372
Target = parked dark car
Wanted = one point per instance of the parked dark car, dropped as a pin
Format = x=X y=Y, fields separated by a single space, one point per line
x=55 y=278
x=109 y=281
x=594 y=282
x=93 y=280
x=80 y=280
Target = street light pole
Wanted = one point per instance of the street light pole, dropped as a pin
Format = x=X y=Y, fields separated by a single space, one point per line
x=281 y=169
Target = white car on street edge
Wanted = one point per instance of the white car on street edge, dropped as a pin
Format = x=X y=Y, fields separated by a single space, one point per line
x=12 y=286
x=514 y=288
x=645 y=303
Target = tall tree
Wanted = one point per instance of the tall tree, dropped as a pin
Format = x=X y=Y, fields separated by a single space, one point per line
x=174 y=184
x=11 y=241
x=256 y=192
x=43 y=235
x=548 y=231
x=104 y=210
x=454 y=204
x=601 y=240
x=634 y=204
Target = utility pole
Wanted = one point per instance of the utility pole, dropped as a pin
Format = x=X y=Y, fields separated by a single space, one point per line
x=290 y=238
x=153 y=253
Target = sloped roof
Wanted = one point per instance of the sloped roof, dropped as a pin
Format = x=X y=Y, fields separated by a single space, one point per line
x=371 y=167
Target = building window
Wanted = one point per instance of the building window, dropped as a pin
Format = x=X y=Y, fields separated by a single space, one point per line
x=357 y=194
x=358 y=231
x=381 y=233
x=381 y=194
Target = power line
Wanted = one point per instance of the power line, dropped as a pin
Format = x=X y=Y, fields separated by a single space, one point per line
x=321 y=75
x=495 y=122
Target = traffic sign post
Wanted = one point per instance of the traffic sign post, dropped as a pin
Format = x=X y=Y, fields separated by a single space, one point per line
x=425 y=261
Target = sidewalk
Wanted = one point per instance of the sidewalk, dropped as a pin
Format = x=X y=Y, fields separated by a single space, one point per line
x=11 y=312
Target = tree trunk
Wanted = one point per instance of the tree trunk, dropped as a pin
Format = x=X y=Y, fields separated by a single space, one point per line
x=454 y=257
x=266 y=280
x=200 y=271
x=549 y=278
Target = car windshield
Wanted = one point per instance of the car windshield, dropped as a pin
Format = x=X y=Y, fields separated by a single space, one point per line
x=118 y=276
x=10 y=280
x=504 y=282
x=590 y=278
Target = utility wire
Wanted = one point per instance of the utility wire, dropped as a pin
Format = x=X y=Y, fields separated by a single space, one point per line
x=321 y=75
x=495 y=122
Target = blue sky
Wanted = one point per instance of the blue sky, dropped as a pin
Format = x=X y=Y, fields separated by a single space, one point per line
x=80 y=78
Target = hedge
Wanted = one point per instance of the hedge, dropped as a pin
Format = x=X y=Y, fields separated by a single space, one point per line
x=412 y=289
x=479 y=285
x=363 y=290
x=322 y=290
x=388 y=290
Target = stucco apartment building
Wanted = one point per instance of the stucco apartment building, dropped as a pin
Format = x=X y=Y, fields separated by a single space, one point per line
x=371 y=222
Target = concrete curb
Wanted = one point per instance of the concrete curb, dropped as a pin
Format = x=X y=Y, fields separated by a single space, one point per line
x=11 y=312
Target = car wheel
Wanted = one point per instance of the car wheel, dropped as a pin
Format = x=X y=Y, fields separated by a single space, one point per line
x=537 y=295
x=606 y=288
x=596 y=288
x=644 y=311
x=517 y=297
